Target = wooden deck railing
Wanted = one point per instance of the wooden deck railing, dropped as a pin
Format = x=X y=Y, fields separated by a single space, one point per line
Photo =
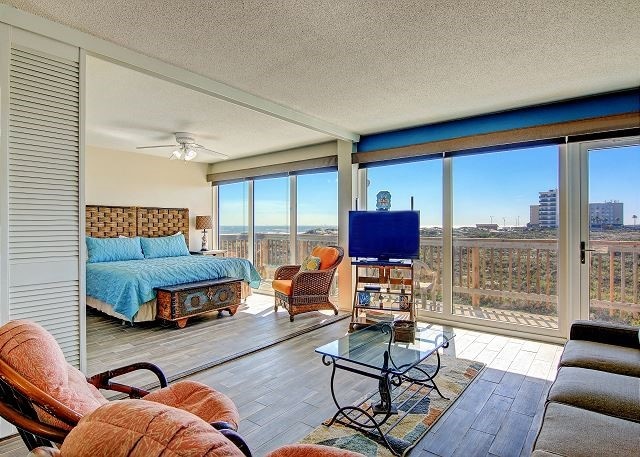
x=272 y=249
x=518 y=273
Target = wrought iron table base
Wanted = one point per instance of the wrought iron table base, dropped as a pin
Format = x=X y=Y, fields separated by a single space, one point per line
x=365 y=421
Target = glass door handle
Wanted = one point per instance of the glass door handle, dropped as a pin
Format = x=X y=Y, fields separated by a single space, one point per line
x=583 y=251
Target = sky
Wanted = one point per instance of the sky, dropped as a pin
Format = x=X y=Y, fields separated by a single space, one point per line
x=487 y=188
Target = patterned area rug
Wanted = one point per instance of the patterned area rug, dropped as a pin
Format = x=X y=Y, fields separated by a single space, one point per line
x=454 y=377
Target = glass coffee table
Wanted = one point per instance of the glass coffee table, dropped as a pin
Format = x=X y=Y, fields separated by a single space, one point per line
x=374 y=353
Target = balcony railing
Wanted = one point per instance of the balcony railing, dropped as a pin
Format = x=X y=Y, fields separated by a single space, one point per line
x=507 y=274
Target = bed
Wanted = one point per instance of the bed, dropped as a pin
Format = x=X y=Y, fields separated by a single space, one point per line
x=125 y=289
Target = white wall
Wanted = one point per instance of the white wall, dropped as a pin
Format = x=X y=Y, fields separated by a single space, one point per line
x=125 y=178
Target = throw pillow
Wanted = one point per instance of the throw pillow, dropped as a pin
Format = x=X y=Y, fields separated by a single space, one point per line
x=311 y=263
x=164 y=246
x=113 y=249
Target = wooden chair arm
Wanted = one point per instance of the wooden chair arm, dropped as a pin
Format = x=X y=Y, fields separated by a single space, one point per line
x=103 y=380
x=14 y=380
x=33 y=426
x=286 y=272
x=236 y=439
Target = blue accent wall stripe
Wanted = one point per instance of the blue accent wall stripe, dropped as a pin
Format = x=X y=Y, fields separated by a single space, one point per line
x=627 y=101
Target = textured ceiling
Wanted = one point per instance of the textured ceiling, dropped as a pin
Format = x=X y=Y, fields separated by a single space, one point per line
x=126 y=109
x=376 y=65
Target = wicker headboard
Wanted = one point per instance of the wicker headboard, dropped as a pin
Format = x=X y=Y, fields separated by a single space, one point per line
x=111 y=221
x=114 y=221
x=154 y=222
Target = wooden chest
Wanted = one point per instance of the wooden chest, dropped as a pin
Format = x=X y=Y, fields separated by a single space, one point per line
x=178 y=303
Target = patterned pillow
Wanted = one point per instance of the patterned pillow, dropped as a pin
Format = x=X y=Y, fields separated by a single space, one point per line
x=311 y=263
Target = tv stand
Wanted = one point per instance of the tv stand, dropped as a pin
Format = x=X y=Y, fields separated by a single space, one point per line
x=383 y=292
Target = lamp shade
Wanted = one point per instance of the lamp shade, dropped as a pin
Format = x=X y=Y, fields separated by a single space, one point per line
x=203 y=222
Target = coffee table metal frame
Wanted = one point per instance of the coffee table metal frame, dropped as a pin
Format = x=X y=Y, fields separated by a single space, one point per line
x=390 y=379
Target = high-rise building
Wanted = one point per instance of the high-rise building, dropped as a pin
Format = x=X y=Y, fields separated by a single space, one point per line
x=534 y=215
x=607 y=213
x=548 y=215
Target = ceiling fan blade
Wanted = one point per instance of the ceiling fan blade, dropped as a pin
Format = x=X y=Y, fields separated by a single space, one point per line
x=159 y=146
x=211 y=152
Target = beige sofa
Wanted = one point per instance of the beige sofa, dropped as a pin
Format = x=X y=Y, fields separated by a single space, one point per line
x=593 y=407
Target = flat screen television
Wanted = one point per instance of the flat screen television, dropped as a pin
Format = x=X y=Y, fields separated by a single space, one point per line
x=384 y=235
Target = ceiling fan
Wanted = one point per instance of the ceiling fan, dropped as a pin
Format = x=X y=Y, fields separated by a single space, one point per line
x=186 y=149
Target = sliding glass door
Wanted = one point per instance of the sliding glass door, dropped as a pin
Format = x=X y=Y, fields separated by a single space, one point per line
x=233 y=219
x=271 y=226
x=422 y=182
x=317 y=212
x=610 y=241
x=505 y=237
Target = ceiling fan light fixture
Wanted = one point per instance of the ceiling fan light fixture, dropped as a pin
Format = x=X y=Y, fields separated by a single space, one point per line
x=187 y=148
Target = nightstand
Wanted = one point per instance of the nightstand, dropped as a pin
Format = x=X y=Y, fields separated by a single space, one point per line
x=211 y=252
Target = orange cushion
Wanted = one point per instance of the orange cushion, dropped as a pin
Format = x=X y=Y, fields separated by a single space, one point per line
x=32 y=351
x=139 y=428
x=282 y=285
x=328 y=256
x=311 y=450
x=199 y=399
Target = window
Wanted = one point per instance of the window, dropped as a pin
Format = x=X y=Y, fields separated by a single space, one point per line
x=505 y=236
x=271 y=222
x=317 y=212
x=423 y=181
x=233 y=219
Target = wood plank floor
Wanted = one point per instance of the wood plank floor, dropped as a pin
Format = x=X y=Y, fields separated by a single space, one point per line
x=283 y=393
x=205 y=340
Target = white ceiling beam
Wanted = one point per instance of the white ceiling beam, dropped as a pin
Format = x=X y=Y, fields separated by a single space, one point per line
x=115 y=53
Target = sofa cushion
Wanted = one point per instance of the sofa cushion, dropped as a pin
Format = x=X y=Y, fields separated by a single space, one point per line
x=142 y=428
x=34 y=353
x=282 y=285
x=328 y=256
x=603 y=357
x=599 y=391
x=570 y=431
x=199 y=399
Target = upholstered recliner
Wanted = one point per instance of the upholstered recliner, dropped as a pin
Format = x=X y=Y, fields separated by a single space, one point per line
x=138 y=428
x=303 y=291
x=45 y=397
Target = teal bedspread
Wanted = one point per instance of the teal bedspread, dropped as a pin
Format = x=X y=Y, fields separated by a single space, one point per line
x=128 y=284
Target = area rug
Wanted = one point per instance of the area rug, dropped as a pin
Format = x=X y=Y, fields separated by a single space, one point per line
x=454 y=377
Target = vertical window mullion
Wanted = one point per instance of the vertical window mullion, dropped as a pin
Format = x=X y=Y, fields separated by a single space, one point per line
x=251 y=228
x=447 y=237
x=293 y=220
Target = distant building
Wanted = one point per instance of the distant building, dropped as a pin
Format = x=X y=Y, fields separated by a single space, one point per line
x=487 y=226
x=607 y=213
x=534 y=215
x=548 y=214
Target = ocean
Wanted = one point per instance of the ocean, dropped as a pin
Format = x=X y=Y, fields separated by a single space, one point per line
x=236 y=229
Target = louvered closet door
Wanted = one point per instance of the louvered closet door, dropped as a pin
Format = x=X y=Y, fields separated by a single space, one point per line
x=44 y=224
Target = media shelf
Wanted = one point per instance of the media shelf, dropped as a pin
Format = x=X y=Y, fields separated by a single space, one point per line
x=383 y=292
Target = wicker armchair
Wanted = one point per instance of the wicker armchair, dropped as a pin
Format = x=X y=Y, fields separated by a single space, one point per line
x=303 y=291
x=45 y=397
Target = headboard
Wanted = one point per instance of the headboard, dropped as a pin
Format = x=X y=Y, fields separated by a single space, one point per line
x=113 y=221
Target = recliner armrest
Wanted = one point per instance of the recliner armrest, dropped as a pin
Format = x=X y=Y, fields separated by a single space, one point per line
x=606 y=333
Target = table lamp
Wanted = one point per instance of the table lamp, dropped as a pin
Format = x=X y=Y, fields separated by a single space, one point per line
x=204 y=223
